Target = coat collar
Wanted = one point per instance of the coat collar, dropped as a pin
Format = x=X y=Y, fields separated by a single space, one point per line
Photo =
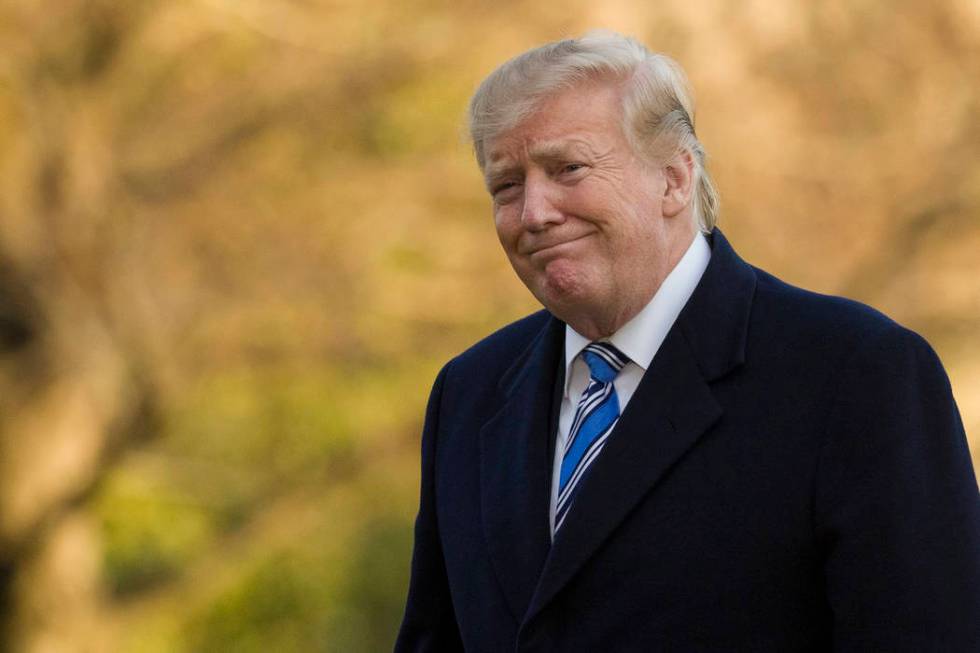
x=671 y=409
x=715 y=321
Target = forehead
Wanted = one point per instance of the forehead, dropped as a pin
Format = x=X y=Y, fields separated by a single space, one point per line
x=581 y=117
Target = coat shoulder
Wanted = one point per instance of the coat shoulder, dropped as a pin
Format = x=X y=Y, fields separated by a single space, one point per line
x=813 y=318
x=503 y=346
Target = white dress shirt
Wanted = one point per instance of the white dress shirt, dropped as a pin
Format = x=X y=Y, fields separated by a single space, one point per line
x=639 y=339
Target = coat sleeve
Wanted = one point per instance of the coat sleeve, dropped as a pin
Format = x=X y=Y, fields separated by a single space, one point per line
x=429 y=624
x=896 y=505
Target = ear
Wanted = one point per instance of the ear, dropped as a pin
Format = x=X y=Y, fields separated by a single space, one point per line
x=679 y=190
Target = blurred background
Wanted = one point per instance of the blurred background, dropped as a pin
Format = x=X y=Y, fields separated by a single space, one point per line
x=238 y=238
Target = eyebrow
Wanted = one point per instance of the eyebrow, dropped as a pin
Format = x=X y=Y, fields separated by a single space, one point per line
x=553 y=150
x=548 y=151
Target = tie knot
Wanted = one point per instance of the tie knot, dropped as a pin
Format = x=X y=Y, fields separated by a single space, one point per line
x=604 y=361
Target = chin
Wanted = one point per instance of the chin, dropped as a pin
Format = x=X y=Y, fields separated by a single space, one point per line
x=564 y=289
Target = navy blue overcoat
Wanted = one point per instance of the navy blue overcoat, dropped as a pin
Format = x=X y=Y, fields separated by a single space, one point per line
x=791 y=475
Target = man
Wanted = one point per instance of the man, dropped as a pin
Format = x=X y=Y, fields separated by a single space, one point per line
x=681 y=452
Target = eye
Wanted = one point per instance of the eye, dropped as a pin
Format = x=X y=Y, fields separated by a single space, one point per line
x=571 y=168
x=503 y=191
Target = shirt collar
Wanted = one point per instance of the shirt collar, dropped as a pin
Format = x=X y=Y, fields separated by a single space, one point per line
x=641 y=337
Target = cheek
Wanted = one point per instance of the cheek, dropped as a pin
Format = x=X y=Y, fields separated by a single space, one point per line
x=508 y=225
x=504 y=227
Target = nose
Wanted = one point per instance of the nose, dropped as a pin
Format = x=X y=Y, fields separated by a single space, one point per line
x=540 y=204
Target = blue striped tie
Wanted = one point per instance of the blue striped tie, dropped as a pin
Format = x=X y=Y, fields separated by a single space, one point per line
x=595 y=417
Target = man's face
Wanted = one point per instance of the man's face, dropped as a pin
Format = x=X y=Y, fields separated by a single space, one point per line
x=578 y=213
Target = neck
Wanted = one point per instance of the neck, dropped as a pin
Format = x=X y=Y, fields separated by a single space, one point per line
x=597 y=327
x=598 y=322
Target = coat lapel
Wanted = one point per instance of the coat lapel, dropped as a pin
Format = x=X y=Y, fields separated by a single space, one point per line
x=670 y=410
x=515 y=468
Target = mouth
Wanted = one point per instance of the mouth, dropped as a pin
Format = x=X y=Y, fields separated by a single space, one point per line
x=554 y=247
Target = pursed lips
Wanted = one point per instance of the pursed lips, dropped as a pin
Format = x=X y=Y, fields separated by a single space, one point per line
x=539 y=248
